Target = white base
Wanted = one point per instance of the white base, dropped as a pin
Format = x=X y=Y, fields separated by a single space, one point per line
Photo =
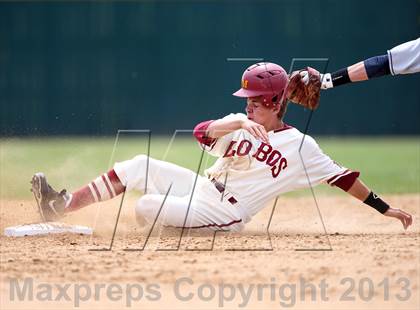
x=45 y=229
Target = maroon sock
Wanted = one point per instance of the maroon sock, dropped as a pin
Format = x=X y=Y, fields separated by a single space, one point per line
x=104 y=187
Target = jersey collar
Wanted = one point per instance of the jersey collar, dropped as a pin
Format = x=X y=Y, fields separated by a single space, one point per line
x=285 y=127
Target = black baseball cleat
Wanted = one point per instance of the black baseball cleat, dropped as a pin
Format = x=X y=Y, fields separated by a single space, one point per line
x=50 y=202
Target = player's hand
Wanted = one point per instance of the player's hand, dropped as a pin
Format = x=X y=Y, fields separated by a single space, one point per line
x=405 y=218
x=256 y=130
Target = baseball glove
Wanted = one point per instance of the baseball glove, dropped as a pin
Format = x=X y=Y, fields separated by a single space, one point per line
x=304 y=88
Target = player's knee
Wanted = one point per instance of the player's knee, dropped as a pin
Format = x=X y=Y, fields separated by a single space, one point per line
x=139 y=162
x=140 y=159
x=147 y=207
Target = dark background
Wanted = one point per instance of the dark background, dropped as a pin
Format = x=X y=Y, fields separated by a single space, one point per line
x=91 y=68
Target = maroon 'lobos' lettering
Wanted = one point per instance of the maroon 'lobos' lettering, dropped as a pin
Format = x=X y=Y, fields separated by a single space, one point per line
x=265 y=153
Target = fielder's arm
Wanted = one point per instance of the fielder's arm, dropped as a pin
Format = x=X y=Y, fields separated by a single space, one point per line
x=364 y=70
x=363 y=193
x=402 y=59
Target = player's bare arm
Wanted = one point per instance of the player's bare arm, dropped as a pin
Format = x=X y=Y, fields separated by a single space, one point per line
x=360 y=191
x=222 y=127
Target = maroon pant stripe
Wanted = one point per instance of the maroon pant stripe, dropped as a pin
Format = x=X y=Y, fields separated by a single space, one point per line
x=107 y=186
x=214 y=225
x=96 y=190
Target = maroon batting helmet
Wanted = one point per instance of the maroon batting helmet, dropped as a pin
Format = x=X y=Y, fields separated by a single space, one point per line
x=264 y=79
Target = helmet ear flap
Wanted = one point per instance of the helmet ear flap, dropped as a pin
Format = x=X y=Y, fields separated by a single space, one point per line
x=271 y=100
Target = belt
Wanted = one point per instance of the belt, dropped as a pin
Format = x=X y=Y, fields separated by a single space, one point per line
x=221 y=188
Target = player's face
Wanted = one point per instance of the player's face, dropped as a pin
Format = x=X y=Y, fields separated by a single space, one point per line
x=257 y=112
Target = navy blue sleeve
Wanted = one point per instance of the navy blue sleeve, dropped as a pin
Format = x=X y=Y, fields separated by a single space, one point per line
x=377 y=66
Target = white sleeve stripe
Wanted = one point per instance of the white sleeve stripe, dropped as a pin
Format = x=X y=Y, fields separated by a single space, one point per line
x=213 y=144
x=391 y=65
x=338 y=176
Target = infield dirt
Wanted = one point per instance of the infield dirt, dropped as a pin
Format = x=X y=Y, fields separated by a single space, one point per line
x=360 y=243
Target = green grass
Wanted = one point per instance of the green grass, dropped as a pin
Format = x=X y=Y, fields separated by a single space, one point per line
x=388 y=165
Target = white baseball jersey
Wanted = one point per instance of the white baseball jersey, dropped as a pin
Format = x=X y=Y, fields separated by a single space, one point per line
x=246 y=177
x=256 y=172
x=405 y=58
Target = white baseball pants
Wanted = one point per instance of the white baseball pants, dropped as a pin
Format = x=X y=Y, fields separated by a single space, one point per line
x=171 y=195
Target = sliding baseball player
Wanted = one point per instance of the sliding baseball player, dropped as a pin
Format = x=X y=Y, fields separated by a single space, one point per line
x=259 y=158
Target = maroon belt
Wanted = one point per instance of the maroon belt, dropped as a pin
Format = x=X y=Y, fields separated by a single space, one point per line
x=221 y=188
